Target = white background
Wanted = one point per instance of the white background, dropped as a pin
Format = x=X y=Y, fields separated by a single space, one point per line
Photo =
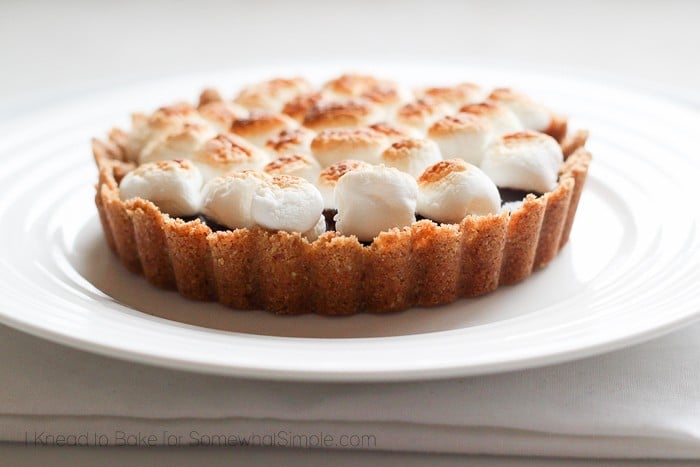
x=51 y=51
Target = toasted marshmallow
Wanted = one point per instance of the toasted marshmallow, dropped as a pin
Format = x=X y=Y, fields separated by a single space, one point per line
x=412 y=156
x=178 y=144
x=374 y=199
x=532 y=115
x=317 y=230
x=450 y=190
x=298 y=107
x=171 y=185
x=388 y=96
x=463 y=136
x=350 y=85
x=208 y=95
x=351 y=113
x=395 y=133
x=258 y=128
x=328 y=179
x=455 y=96
x=228 y=199
x=270 y=96
x=421 y=114
x=384 y=93
x=527 y=161
x=286 y=202
x=299 y=165
x=166 y=120
x=222 y=114
x=502 y=119
x=226 y=153
x=364 y=144
x=296 y=141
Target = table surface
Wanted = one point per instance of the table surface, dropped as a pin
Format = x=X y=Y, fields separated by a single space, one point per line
x=52 y=51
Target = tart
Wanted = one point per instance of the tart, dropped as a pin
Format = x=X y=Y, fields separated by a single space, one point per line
x=355 y=196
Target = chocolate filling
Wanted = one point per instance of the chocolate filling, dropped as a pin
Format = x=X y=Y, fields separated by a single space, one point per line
x=507 y=195
x=212 y=224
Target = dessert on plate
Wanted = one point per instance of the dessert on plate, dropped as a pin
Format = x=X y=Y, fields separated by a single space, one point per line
x=358 y=195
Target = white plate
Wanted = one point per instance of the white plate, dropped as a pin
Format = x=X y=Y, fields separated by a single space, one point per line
x=629 y=272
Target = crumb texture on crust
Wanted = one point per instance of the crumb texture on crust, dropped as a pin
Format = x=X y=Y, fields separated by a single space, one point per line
x=425 y=264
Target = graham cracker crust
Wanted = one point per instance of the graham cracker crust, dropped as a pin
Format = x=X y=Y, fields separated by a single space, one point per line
x=425 y=264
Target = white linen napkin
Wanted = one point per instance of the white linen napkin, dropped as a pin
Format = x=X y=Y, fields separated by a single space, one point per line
x=643 y=401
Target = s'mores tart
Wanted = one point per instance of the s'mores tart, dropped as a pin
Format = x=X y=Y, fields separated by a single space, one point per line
x=347 y=197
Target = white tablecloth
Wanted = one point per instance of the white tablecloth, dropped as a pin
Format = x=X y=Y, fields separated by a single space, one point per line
x=639 y=402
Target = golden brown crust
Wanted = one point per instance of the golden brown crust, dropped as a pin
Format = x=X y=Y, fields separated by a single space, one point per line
x=483 y=240
x=234 y=267
x=553 y=222
x=389 y=272
x=576 y=168
x=436 y=251
x=151 y=243
x=521 y=240
x=336 y=271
